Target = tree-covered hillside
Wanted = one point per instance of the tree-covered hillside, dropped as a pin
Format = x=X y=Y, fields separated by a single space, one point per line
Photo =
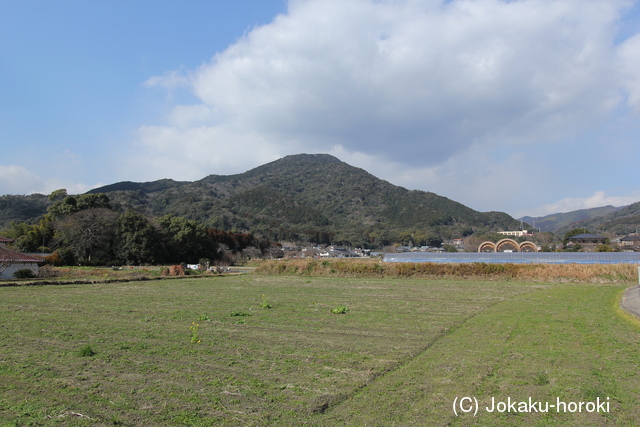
x=22 y=208
x=565 y=220
x=620 y=222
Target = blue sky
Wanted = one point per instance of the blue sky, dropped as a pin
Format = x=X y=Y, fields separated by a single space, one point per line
x=528 y=107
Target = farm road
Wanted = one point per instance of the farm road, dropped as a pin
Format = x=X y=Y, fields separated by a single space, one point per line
x=631 y=301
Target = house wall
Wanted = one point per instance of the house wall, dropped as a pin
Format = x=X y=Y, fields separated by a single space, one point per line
x=8 y=273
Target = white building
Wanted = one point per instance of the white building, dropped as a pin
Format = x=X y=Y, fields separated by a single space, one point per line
x=12 y=261
x=518 y=233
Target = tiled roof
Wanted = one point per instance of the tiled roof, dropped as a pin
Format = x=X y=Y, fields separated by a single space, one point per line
x=9 y=255
x=5 y=240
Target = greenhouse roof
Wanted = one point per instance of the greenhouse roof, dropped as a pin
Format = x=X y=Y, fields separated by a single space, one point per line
x=518 y=257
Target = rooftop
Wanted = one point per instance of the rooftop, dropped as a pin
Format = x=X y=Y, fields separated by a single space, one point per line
x=13 y=256
x=586 y=236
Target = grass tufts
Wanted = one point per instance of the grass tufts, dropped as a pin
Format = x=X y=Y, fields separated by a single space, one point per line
x=86 y=351
x=240 y=313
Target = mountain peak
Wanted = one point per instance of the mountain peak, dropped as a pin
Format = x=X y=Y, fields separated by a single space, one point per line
x=319 y=158
x=301 y=160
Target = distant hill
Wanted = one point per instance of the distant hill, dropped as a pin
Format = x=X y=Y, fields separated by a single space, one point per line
x=308 y=196
x=620 y=222
x=22 y=208
x=563 y=220
x=160 y=185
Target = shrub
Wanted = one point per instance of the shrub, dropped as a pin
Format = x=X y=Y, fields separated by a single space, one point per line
x=54 y=259
x=25 y=273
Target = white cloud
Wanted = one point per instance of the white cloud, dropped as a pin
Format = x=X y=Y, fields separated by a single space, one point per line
x=422 y=76
x=629 y=57
x=20 y=180
x=419 y=80
x=192 y=153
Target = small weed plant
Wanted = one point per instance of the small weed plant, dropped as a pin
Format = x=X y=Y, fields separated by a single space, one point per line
x=341 y=309
x=204 y=318
x=266 y=304
x=194 y=333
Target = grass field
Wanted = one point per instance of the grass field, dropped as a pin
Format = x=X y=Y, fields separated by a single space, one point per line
x=260 y=350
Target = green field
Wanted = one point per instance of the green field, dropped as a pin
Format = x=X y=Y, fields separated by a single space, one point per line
x=129 y=354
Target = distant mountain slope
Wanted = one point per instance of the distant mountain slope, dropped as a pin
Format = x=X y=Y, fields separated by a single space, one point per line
x=160 y=185
x=561 y=220
x=314 y=196
x=620 y=222
x=22 y=208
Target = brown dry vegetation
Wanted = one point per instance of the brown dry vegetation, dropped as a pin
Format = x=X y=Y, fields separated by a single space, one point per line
x=582 y=273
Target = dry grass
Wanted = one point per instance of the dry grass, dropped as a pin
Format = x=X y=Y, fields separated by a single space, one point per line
x=579 y=273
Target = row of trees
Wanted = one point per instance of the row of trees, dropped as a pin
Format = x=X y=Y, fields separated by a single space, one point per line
x=84 y=229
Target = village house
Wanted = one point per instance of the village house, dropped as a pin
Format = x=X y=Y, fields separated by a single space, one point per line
x=12 y=261
x=630 y=243
x=338 y=252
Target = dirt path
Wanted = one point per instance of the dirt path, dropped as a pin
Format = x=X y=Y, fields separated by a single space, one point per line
x=631 y=301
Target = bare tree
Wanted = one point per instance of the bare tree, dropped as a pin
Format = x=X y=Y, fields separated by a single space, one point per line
x=251 y=252
x=89 y=232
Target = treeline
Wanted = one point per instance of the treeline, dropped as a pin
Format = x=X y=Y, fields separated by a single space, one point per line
x=86 y=230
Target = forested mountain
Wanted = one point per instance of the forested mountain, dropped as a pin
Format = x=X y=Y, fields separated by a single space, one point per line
x=22 y=208
x=313 y=197
x=620 y=222
x=564 y=220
